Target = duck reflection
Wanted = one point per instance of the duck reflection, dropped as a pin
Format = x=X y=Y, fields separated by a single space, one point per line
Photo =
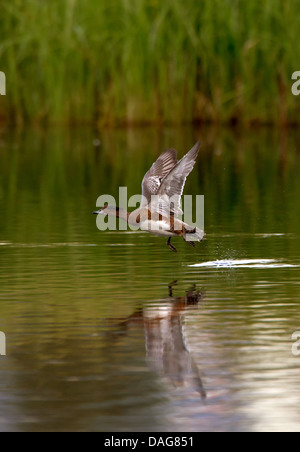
x=166 y=350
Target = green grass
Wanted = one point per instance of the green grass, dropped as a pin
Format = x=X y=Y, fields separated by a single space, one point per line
x=148 y=61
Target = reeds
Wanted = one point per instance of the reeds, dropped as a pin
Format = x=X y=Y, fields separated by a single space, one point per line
x=147 y=61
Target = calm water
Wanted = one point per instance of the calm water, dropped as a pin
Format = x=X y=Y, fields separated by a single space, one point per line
x=111 y=331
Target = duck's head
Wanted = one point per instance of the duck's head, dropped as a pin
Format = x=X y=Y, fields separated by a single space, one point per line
x=108 y=210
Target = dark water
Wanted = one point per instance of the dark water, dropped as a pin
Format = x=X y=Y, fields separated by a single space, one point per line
x=111 y=331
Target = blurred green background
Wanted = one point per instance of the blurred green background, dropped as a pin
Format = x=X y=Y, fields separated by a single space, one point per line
x=146 y=61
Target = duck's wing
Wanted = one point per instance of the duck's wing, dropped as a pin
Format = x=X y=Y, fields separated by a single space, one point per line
x=168 y=199
x=158 y=171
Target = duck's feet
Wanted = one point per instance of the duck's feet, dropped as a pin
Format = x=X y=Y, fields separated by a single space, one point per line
x=185 y=234
x=191 y=243
x=172 y=247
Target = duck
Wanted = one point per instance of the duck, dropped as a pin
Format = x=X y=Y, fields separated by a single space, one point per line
x=160 y=207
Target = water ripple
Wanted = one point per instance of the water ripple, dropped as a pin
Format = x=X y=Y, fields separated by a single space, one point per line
x=245 y=263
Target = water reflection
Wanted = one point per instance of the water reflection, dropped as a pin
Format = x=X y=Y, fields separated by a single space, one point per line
x=166 y=350
x=61 y=279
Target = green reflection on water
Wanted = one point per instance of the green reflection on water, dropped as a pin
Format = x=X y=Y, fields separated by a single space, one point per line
x=65 y=287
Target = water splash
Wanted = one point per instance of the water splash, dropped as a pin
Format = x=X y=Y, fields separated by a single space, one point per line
x=245 y=263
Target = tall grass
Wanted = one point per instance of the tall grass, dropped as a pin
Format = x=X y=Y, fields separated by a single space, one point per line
x=137 y=61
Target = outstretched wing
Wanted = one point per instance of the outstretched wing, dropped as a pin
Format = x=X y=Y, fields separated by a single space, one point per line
x=168 y=199
x=158 y=171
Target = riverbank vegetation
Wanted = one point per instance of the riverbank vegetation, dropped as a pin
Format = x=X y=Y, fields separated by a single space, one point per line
x=145 y=61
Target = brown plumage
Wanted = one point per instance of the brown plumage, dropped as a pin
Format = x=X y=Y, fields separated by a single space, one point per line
x=162 y=188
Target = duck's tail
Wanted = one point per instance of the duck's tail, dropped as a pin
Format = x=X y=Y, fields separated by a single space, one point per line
x=193 y=235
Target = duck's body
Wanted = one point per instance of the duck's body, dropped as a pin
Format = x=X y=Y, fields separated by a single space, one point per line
x=161 y=200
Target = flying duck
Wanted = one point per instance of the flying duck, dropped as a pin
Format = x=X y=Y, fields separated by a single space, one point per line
x=160 y=208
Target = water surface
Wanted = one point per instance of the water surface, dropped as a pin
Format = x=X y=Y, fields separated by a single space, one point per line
x=111 y=331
